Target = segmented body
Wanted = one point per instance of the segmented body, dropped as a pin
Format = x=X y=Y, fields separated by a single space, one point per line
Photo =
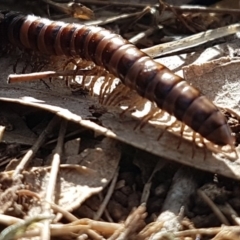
x=135 y=69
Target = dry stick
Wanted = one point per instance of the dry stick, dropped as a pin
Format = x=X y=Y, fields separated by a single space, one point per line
x=15 y=78
x=32 y=151
x=113 y=19
x=233 y=214
x=147 y=187
x=67 y=215
x=142 y=35
x=191 y=41
x=145 y=11
x=107 y=216
x=117 y=4
x=108 y=196
x=214 y=208
x=200 y=9
x=184 y=184
x=45 y=233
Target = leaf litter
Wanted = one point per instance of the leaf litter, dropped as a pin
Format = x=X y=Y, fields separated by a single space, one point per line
x=80 y=180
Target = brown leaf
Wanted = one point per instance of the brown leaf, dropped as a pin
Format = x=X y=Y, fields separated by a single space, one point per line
x=76 y=183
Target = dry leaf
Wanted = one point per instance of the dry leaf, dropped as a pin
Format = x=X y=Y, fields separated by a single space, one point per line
x=75 y=183
x=78 y=181
x=218 y=79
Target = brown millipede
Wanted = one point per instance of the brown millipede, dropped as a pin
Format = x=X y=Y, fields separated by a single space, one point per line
x=134 y=68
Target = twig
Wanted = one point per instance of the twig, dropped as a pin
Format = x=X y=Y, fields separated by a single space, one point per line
x=200 y=9
x=45 y=234
x=117 y=4
x=184 y=184
x=147 y=187
x=15 y=78
x=32 y=151
x=214 y=208
x=139 y=36
x=115 y=18
x=233 y=214
x=107 y=197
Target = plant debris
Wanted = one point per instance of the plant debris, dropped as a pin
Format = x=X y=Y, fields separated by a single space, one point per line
x=80 y=157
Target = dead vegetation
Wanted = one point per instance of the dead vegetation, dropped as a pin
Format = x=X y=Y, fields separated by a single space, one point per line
x=73 y=166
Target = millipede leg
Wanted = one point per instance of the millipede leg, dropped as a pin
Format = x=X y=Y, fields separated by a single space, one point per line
x=128 y=109
x=167 y=128
x=151 y=115
x=132 y=107
x=181 y=134
x=103 y=86
x=97 y=72
x=70 y=61
x=113 y=97
x=194 y=144
x=106 y=89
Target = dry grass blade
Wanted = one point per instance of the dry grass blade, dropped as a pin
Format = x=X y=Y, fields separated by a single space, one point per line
x=191 y=41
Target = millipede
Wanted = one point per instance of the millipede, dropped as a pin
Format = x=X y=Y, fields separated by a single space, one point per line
x=135 y=69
